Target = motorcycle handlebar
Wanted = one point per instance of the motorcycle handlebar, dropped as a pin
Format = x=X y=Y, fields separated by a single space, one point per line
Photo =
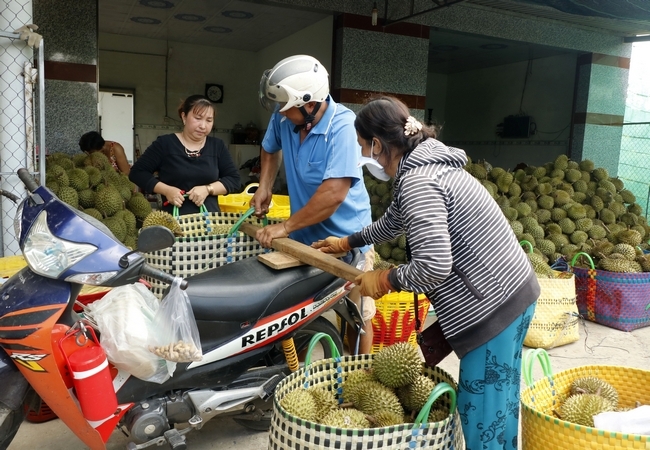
x=161 y=275
x=27 y=179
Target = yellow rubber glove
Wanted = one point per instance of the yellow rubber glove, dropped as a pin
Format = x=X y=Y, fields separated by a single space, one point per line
x=333 y=245
x=375 y=283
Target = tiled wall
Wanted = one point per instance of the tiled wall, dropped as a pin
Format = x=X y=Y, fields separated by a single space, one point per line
x=69 y=29
x=370 y=60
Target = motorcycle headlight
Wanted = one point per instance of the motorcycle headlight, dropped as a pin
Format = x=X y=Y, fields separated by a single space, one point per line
x=49 y=255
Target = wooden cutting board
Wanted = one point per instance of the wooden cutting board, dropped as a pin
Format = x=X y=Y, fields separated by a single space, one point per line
x=279 y=260
x=308 y=255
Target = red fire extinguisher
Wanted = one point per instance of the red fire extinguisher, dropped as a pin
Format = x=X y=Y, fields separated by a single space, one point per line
x=91 y=376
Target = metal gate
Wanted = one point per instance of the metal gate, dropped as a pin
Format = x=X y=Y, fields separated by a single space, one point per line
x=22 y=122
x=634 y=162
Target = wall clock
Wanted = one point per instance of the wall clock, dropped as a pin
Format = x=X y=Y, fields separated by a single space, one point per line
x=214 y=92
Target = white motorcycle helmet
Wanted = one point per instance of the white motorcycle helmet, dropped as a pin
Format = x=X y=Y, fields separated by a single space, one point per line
x=294 y=81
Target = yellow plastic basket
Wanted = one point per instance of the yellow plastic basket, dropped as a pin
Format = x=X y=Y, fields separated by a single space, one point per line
x=541 y=430
x=239 y=203
x=394 y=320
x=9 y=265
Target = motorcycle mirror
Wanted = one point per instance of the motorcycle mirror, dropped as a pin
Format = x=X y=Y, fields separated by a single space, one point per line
x=155 y=237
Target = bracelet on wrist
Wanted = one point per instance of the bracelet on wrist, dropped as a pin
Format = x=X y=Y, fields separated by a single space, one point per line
x=209 y=186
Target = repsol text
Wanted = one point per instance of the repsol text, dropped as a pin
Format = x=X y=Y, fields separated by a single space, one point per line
x=275 y=327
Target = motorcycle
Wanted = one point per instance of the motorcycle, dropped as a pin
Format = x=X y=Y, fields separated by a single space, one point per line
x=248 y=316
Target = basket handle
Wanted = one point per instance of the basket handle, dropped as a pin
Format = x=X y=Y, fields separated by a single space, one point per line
x=249 y=187
x=530 y=246
x=575 y=258
x=314 y=340
x=244 y=216
x=441 y=388
x=528 y=361
x=202 y=209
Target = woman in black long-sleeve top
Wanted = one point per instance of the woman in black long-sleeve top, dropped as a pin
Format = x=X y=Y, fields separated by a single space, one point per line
x=189 y=161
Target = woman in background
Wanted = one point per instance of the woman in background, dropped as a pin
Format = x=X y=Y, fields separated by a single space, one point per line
x=93 y=141
x=191 y=162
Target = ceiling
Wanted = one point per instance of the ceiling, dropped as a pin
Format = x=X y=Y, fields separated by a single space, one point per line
x=253 y=25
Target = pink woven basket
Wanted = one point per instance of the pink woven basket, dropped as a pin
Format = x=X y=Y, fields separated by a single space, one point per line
x=614 y=299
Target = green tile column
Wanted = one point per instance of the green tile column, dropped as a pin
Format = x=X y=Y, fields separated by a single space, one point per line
x=599 y=109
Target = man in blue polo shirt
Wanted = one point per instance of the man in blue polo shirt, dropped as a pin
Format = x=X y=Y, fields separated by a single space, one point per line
x=318 y=140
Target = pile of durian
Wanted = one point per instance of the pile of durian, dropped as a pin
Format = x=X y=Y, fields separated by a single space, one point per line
x=587 y=397
x=393 y=252
x=566 y=207
x=89 y=183
x=391 y=392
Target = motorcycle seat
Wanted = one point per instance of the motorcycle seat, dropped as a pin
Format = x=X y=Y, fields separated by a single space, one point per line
x=246 y=290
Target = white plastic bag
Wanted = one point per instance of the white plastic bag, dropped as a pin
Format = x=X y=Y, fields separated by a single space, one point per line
x=176 y=336
x=124 y=317
x=633 y=421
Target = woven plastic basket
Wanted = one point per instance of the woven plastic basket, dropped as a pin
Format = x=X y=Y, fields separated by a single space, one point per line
x=290 y=432
x=239 y=203
x=614 y=299
x=541 y=430
x=199 y=251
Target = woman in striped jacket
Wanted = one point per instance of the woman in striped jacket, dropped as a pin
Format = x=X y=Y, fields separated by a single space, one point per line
x=462 y=254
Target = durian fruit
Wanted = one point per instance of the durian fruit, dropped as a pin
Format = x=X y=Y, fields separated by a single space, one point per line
x=628 y=251
x=69 y=196
x=325 y=401
x=353 y=380
x=117 y=227
x=414 y=395
x=630 y=237
x=616 y=262
x=139 y=206
x=540 y=266
x=78 y=178
x=397 y=365
x=373 y=397
x=165 y=219
x=217 y=229
x=346 y=418
x=581 y=409
x=108 y=201
x=380 y=264
x=300 y=403
x=385 y=419
x=438 y=415
x=99 y=160
x=594 y=385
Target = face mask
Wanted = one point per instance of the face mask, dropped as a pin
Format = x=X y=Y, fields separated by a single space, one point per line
x=375 y=169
